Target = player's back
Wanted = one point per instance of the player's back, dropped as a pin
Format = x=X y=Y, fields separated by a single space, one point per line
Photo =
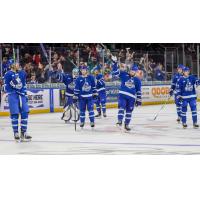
x=69 y=83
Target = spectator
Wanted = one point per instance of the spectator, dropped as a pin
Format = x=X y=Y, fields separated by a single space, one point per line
x=129 y=57
x=33 y=79
x=159 y=75
x=122 y=56
x=5 y=65
x=40 y=74
x=70 y=55
x=37 y=58
x=55 y=72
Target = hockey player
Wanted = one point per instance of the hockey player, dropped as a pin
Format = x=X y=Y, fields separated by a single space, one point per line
x=129 y=93
x=85 y=92
x=15 y=87
x=69 y=81
x=187 y=95
x=100 y=86
x=174 y=90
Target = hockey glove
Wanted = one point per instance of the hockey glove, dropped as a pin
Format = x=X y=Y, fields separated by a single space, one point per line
x=179 y=99
x=95 y=96
x=26 y=96
x=114 y=59
x=197 y=82
x=138 y=103
x=171 y=92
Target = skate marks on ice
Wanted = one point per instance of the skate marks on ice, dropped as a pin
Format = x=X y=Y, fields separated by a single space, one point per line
x=75 y=148
x=51 y=136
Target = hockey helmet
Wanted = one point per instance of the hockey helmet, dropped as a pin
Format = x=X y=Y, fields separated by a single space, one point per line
x=75 y=72
x=134 y=68
x=180 y=66
x=185 y=69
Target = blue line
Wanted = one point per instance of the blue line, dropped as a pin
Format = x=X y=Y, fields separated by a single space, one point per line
x=51 y=100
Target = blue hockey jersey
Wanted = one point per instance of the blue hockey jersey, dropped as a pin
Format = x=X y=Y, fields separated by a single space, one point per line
x=159 y=75
x=15 y=82
x=175 y=80
x=130 y=86
x=69 y=82
x=85 y=87
x=186 y=87
x=100 y=84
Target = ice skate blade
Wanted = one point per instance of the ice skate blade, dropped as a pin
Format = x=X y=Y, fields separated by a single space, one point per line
x=195 y=127
x=98 y=117
x=25 y=140
x=130 y=132
x=118 y=126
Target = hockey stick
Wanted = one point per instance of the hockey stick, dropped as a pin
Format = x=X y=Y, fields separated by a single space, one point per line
x=13 y=48
x=161 y=108
x=106 y=49
x=75 y=117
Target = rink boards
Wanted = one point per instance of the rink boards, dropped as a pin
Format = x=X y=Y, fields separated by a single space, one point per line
x=45 y=100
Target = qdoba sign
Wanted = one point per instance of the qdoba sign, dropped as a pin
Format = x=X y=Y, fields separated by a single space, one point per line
x=155 y=93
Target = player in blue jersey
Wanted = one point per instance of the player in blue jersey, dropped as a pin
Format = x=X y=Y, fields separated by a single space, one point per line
x=129 y=93
x=187 y=95
x=15 y=87
x=85 y=92
x=69 y=107
x=101 y=89
x=174 y=89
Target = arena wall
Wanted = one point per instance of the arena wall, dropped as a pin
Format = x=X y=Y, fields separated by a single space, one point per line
x=48 y=100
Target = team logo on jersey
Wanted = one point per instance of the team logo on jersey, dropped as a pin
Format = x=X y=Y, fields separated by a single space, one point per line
x=189 y=86
x=130 y=84
x=16 y=82
x=86 y=87
x=71 y=86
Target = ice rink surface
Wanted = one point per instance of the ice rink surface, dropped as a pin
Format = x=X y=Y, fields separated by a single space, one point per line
x=52 y=136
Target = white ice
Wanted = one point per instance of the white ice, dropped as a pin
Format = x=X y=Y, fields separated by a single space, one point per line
x=52 y=136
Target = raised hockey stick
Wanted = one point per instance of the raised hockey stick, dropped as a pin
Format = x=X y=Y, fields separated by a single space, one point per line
x=162 y=107
x=14 y=58
x=106 y=49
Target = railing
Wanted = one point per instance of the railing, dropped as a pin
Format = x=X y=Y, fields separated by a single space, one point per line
x=115 y=83
x=40 y=62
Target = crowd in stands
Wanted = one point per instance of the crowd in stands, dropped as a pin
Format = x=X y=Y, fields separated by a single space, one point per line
x=41 y=68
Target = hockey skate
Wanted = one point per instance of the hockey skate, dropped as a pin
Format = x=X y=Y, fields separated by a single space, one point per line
x=104 y=115
x=184 y=125
x=119 y=124
x=178 y=120
x=195 y=125
x=98 y=115
x=92 y=125
x=24 y=137
x=127 y=128
x=82 y=125
x=16 y=137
